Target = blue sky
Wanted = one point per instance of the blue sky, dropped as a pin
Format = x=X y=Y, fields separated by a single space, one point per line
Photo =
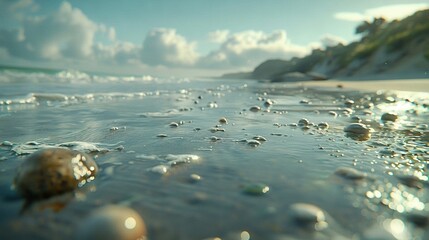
x=162 y=37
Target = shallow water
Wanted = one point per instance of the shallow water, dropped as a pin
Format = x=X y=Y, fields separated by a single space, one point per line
x=146 y=162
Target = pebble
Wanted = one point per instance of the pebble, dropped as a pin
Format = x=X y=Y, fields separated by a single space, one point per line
x=215 y=139
x=268 y=102
x=7 y=143
x=303 y=122
x=223 y=120
x=173 y=124
x=389 y=117
x=114 y=223
x=323 y=125
x=357 y=128
x=260 y=138
x=193 y=178
x=332 y=113
x=355 y=119
x=257 y=189
x=350 y=173
x=253 y=143
x=255 y=109
x=54 y=171
x=349 y=103
x=308 y=214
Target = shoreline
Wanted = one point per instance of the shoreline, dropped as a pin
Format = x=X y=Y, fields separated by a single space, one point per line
x=409 y=85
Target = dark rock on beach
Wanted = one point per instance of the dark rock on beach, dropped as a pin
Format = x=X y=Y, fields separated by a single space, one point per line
x=53 y=171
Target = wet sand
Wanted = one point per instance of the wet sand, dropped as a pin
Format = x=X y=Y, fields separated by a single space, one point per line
x=204 y=159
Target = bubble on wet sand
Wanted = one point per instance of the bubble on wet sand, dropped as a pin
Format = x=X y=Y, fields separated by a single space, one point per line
x=350 y=173
x=256 y=189
x=112 y=222
x=54 y=171
x=308 y=215
x=392 y=117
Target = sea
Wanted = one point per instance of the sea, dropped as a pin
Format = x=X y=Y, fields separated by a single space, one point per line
x=207 y=158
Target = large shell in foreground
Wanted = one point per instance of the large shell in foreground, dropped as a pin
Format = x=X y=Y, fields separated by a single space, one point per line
x=53 y=171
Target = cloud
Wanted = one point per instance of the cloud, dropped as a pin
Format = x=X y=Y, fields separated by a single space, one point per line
x=389 y=12
x=67 y=33
x=218 y=36
x=165 y=47
x=249 y=48
x=329 y=40
x=119 y=52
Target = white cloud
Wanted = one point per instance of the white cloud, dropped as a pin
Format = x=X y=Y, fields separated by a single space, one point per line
x=249 y=48
x=389 y=12
x=218 y=36
x=67 y=33
x=165 y=47
x=329 y=40
x=119 y=52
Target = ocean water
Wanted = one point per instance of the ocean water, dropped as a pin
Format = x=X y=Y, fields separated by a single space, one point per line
x=152 y=136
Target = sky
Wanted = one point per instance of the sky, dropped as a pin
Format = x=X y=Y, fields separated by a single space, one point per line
x=179 y=38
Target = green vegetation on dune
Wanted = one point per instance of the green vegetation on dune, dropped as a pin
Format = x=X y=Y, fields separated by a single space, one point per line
x=406 y=37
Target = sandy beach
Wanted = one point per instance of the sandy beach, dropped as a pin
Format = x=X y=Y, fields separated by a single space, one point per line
x=411 y=85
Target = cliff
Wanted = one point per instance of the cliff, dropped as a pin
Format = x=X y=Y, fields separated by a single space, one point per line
x=397 y=49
